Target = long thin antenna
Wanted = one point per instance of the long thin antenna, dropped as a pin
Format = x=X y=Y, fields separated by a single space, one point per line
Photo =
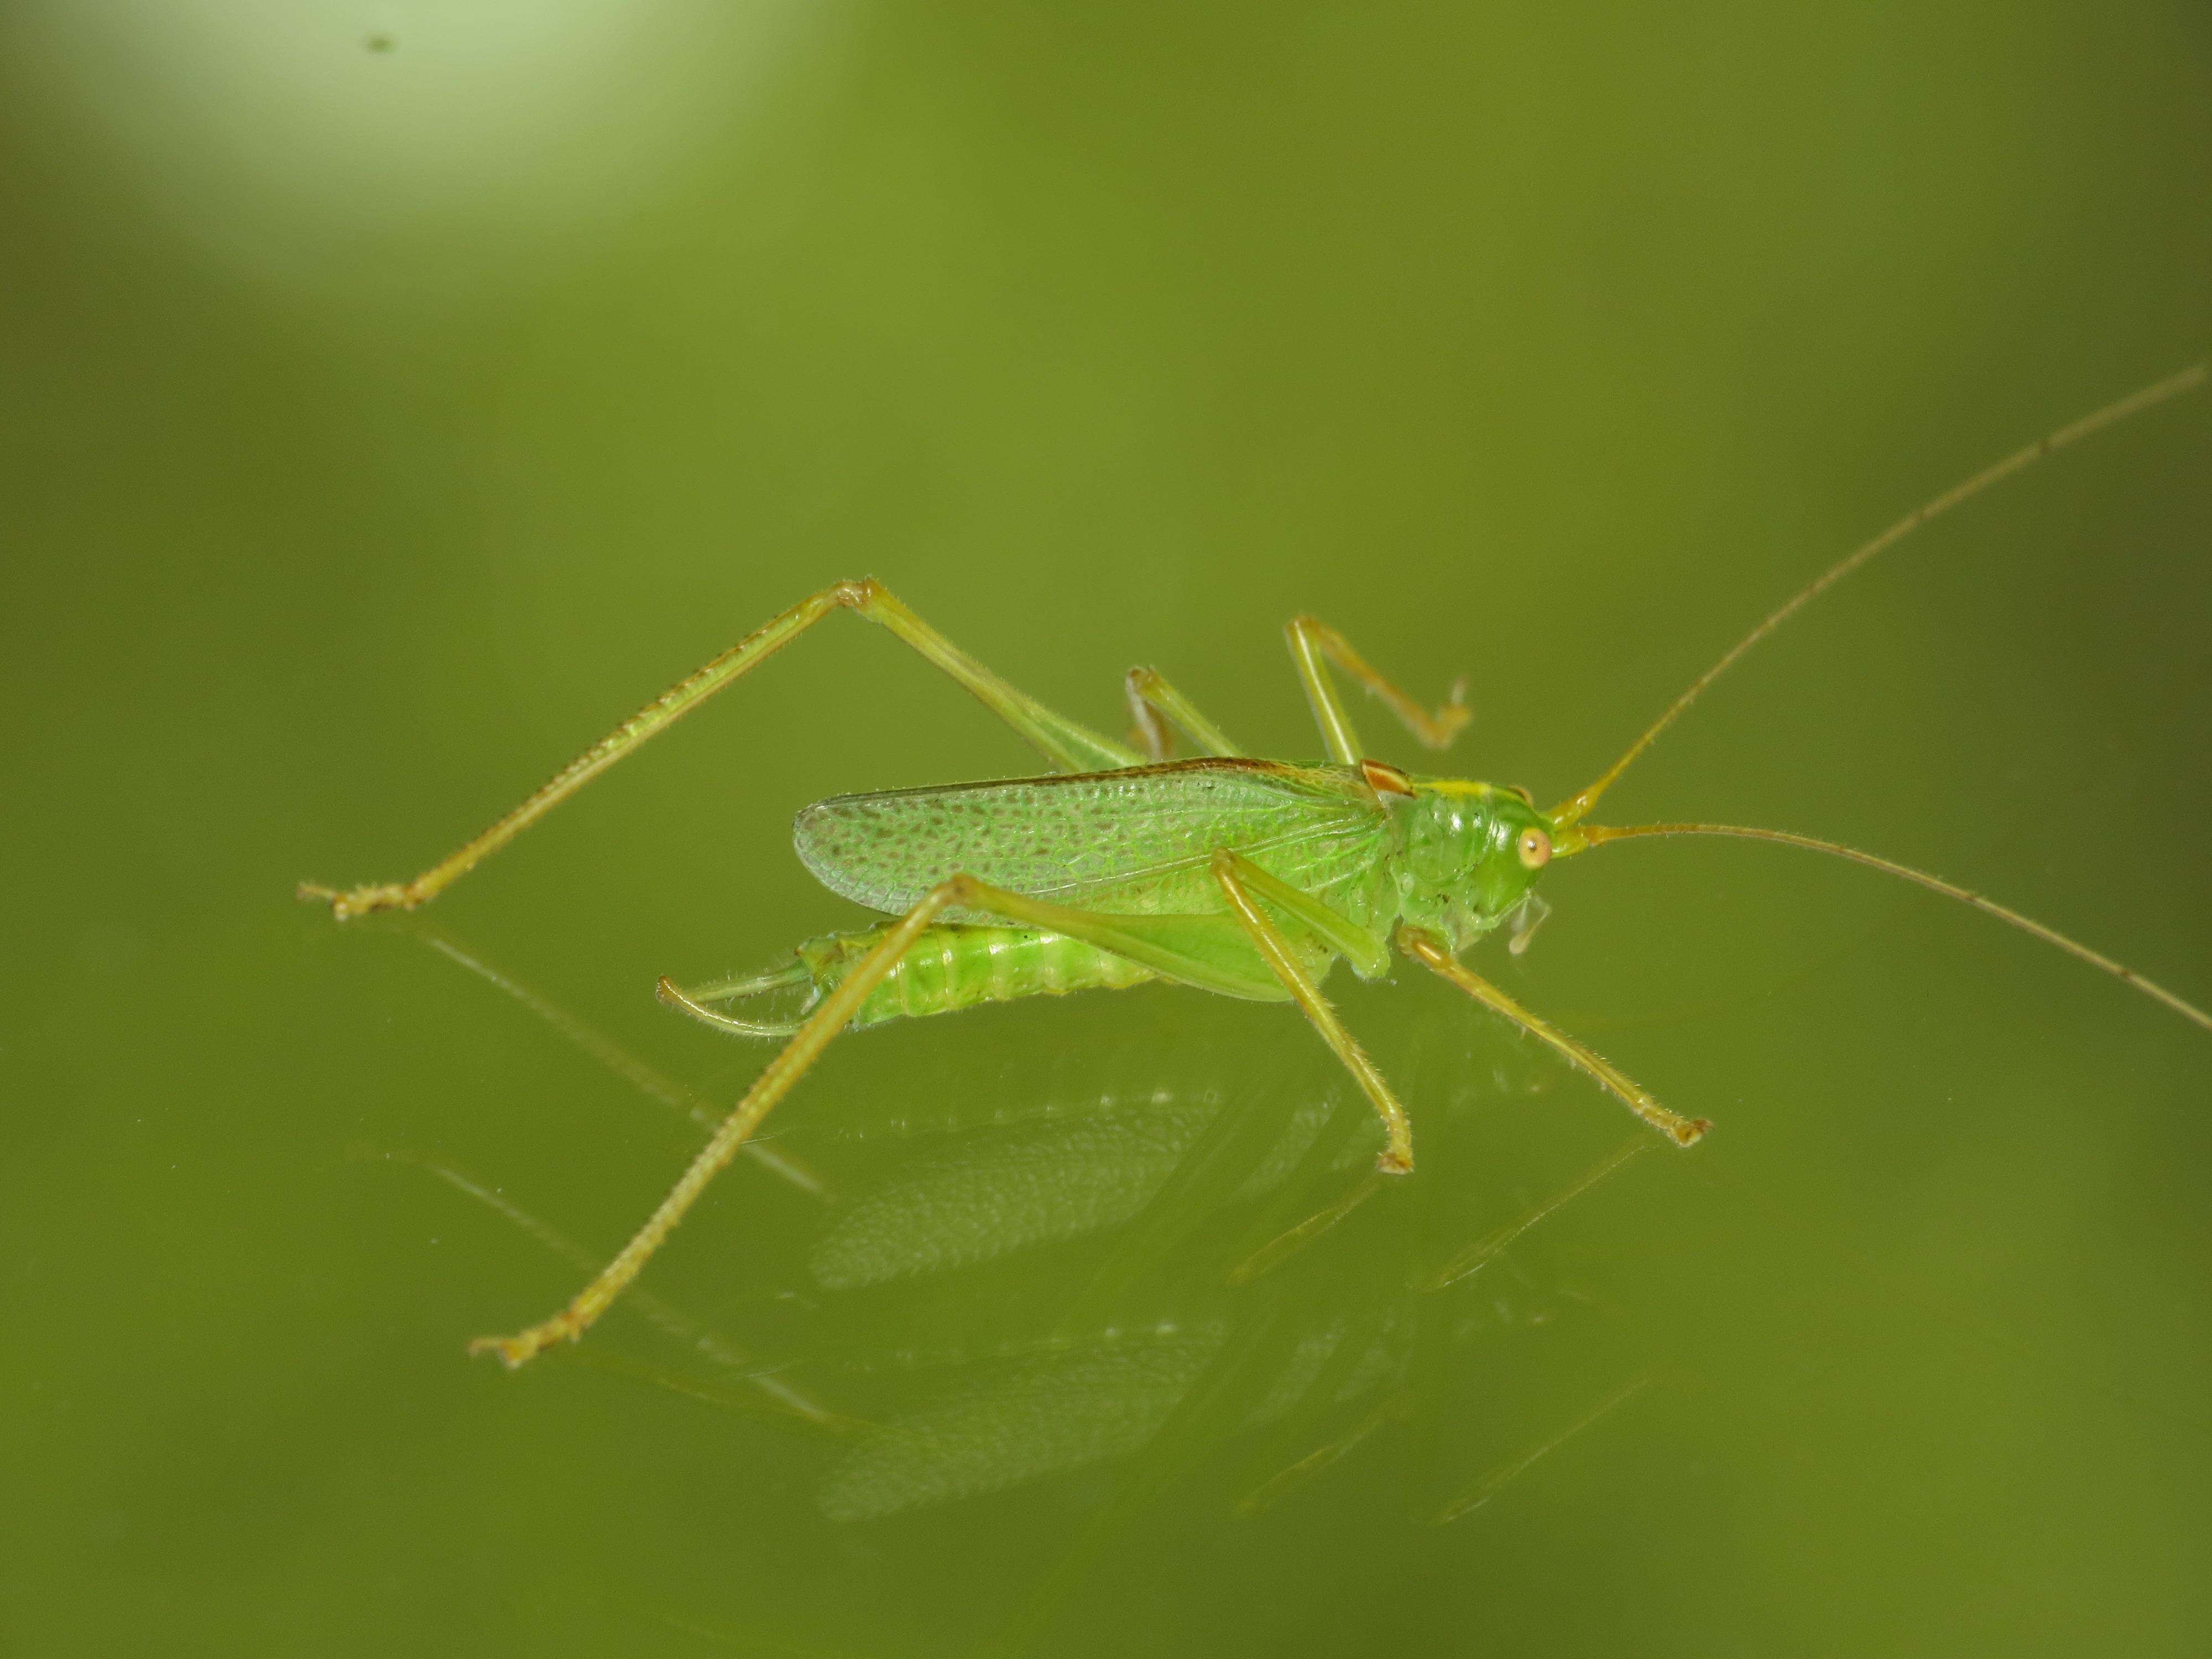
x=1570 y=811
x=1594 y=834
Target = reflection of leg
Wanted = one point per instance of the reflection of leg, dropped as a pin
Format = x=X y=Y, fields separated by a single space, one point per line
x=778 y=1394
x=1207 y=951
x=1311 y=640
x=799 y=1055
x=1432 y=953
x=1150 y=698
x=1395 y=1407
x=1484 y=1249
x=1230 y=871
x=1491 y=1484
x=1287 y=1243
x=646 y=1080
x=1071 y=747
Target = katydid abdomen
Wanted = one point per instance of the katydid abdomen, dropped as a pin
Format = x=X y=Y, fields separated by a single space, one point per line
x=958 y=966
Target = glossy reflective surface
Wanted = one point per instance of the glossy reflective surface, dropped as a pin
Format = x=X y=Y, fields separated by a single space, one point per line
x=387 y=404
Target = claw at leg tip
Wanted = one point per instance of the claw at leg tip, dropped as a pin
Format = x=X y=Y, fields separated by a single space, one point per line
x=346 y=904
x=516 y=1352
x=513 y=1351
x=314 y=892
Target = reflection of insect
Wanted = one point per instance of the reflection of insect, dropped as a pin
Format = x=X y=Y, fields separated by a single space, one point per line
x=1250 y=877
x=1148 y=1167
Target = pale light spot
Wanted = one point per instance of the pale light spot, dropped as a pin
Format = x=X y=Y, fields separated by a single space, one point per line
x=274 y=137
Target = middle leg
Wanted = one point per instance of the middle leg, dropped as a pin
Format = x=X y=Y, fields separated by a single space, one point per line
x=1238 y=878
x=1314 y=645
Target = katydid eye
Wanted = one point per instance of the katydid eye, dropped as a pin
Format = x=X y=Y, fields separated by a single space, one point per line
x=1534 y=847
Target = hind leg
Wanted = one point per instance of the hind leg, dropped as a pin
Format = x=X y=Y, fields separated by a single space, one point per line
x=1071 y=747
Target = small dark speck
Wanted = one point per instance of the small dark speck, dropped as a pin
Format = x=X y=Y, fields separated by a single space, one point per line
x=380 y=43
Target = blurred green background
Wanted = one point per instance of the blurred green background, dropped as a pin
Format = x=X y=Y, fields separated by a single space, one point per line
x=392 y=395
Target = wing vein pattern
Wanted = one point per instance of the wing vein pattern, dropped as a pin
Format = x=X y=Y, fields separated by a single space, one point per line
x=1129 y=843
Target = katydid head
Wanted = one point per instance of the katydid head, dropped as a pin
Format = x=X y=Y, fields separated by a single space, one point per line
x=1471 y=854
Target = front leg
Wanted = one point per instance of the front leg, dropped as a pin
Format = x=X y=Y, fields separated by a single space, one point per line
x=1433 y=953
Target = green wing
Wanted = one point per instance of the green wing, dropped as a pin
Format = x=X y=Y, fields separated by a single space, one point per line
x=1129 y=843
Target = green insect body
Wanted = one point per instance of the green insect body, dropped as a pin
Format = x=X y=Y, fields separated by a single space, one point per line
x=1139 y=842
x=960 y=966
x=1243 y=877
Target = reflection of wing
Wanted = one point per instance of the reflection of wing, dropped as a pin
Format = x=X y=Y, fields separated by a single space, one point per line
x=994 y=1192
x=1130 y=842
x=1106 y=1398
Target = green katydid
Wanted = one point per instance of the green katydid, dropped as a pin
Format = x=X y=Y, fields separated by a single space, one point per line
x=1245 y=877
